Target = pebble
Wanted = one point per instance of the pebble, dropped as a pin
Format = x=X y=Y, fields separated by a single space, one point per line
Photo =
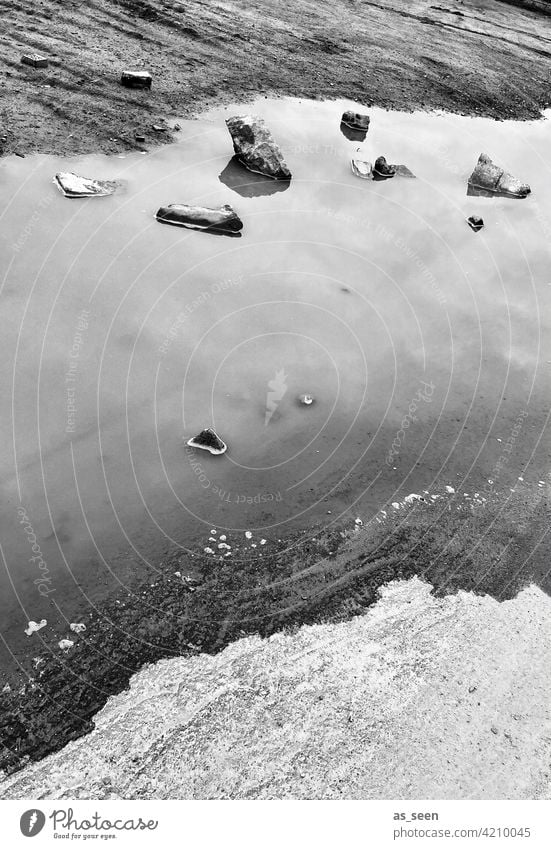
x=451 y=489
x=248 y=534
x=35 y=626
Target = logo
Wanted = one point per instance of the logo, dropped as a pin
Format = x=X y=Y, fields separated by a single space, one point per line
x=278 y=388
x=32 y=822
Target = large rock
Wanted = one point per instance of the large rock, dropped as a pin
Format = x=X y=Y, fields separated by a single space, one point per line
x=493 y=178
x=255 y=147
x=224 y=219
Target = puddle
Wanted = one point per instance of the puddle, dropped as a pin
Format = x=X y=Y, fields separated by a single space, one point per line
x=424 y=345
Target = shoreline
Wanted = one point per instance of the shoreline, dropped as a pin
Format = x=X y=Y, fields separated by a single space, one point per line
x=426 y=58
x=328 y=577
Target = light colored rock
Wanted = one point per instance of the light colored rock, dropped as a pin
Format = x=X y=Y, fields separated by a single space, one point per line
x=492 y=178
x=254 y=145
x=74 y=186
x=362 y=168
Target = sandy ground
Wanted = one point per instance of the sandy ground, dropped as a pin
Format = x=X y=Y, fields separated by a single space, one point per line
x=419 y=698
x=472 y=56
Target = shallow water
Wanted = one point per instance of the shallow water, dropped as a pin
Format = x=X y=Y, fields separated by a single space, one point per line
x=121 y=336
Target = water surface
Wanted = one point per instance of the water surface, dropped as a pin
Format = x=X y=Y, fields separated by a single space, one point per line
x=121 y=336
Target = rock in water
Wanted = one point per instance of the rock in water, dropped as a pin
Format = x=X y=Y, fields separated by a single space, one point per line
x=224 y=219
x=355 y=120
x=73 y=186
x=361 y=168
x=383 y=169
x=208 y=440
x=492 y=178
x=475 y=222
x=255 y=147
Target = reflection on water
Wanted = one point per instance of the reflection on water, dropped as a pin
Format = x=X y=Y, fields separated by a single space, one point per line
x=121 y=338
x=249 y=184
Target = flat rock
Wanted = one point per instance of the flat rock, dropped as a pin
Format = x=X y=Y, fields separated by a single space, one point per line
x=222 y=219
x=492 y=178
x=254 y=145
x=74 y=186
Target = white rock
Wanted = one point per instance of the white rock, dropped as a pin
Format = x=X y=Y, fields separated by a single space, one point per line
x=35 y=626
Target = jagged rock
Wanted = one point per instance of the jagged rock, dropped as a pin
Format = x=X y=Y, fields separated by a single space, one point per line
x=355 y=120
x=208 y=440
x=492 y=178
x=475 y=222
x=136 y=79
x=224 y=219
x=361 y=168
x=255 y=147
x=73 y=186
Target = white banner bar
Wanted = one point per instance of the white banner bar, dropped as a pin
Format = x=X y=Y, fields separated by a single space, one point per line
x=267 y=824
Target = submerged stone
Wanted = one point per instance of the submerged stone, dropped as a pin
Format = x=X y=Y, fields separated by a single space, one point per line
x=254 y=145
x=492 y=178
x=208 y=440
x=223 y=219
x=74 y=186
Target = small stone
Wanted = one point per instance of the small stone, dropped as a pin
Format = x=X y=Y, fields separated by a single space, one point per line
x=475 y=222
x=306 y=399
x=35 y=60
x=208 y=440
x=136 y=79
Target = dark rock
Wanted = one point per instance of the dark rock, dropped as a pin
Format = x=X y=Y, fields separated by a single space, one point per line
x=355 y=120
x=208 y=440
x=35 y=60
x=475 y=222
x=255 y=147
x=140 y=138
x=224 y=219
x=136 y=79
x=491 y=178
x=382 y=169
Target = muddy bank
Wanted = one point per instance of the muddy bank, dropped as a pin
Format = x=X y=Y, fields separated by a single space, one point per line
x=421 y=697
x=497 y=548
x=473 y=57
